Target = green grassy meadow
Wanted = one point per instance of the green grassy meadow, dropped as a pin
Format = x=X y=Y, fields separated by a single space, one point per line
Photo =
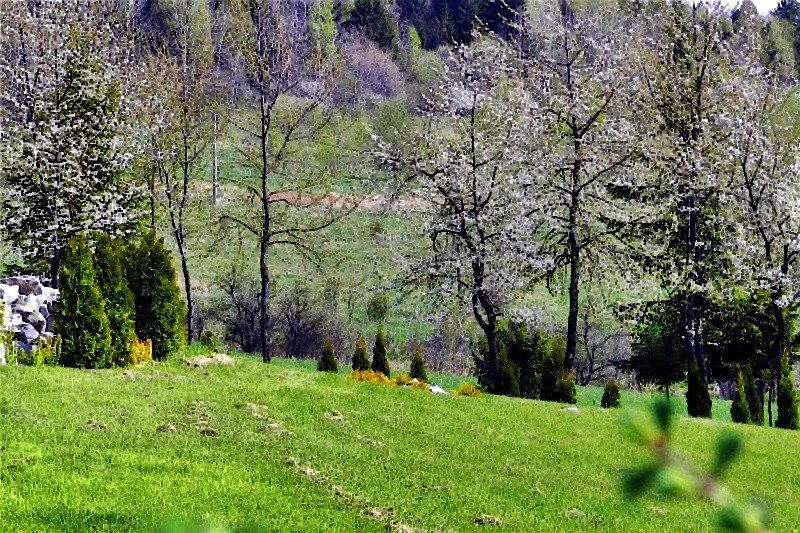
x=290 y=449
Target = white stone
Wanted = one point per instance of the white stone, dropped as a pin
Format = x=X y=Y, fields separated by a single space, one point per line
x=436 y=389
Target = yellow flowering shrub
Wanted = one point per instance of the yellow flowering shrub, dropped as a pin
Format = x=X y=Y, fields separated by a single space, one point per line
x=370 y=376
x=141 y=352
x=467 y=389
x=402 y=379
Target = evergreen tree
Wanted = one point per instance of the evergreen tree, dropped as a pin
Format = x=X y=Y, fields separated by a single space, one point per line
x=740 y=412
x=117 y=296
x=507 y=384
x=565 y=388
x=657 y=352
x=787 y=398
x=80 y=316
x=552 y=372
x=526 y=352
x=327 y=362
x=360 y=359
x=379 y=361
x=418 y=370
x=698 y=401
x=157 y=299
x=754 y=404
x=610 y=395
x=377 y=22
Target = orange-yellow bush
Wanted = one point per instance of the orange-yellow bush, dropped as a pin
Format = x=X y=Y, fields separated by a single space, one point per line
x=418 y=385
x=402 y=379
x=467 y=389
x=370 y=376
x=141 y=352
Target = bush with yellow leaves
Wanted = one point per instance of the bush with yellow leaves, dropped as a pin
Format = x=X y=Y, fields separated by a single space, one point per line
x=141 y=352
x=370 y=376
x=467 y=389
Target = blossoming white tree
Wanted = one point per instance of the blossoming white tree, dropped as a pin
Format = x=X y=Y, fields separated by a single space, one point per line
x=581 y=67
x=65 y=140
x=464 y=165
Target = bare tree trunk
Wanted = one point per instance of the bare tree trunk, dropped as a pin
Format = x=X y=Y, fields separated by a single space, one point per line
x=214 y=163
x=187 y=287
x=263 y=298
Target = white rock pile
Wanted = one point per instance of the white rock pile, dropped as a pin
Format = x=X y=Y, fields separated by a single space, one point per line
x=27 y=304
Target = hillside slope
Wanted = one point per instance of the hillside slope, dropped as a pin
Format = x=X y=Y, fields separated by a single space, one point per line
x=294 y=450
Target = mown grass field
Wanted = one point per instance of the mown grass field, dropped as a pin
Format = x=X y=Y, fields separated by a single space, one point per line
x=296 y=450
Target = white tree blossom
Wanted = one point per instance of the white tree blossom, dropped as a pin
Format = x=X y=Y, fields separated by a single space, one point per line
x=66 y=144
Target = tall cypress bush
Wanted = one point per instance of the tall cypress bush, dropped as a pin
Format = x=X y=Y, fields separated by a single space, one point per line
x=160 y=311
x=740 y=411
x=507 y=383
x=117 y=296
x=360 y=359
x=698 y=401
x=418 y=370
x=754 y=402
x=787 y=398
x=327 y=361
x=379 y=361
x=80 y=316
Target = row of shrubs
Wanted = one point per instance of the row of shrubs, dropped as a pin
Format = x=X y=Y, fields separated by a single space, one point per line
x=113 y=295
x=528 y=365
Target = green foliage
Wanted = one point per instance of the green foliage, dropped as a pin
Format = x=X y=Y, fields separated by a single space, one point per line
x=327 y=362
x=740 y=411
x=209 y=341
x=418 y=370
x=80 y=316
x=565 y=388
x=380 y=363
x=657 y=355
x=754 y=404
x=525 y=351
x=553 y=384
x=670 y=474
x=611 y=396
x=118 y=297
x=47 y=352
x=787 y=398
x=377 y=22
x=506 y=384
x=360 y=359
x=378 y=307
x=698 y=400
x=157 y=299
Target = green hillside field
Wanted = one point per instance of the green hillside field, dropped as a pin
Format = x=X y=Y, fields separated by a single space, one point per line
x=254 y=447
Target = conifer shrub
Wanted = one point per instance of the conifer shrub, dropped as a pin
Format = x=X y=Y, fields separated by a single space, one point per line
x=552 y=371
x=418 y=370
x=507 y=384
x=208 y=341
x=740 y=412
x=360 y=359
x=698 y=400
x=565 y=388
x=327 y=362
x=467 y=389
x=526 y=352
x=118 y=298
x=787 y=398
x=754 y=404
x=611 y=395
x=159 y=309
x=80 y=316
x=380 y=363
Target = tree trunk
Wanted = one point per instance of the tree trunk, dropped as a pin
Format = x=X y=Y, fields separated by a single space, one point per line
x=187 y=288
x=215 y=164
x=263 y=300
x=769 y=403
x=574 y=290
